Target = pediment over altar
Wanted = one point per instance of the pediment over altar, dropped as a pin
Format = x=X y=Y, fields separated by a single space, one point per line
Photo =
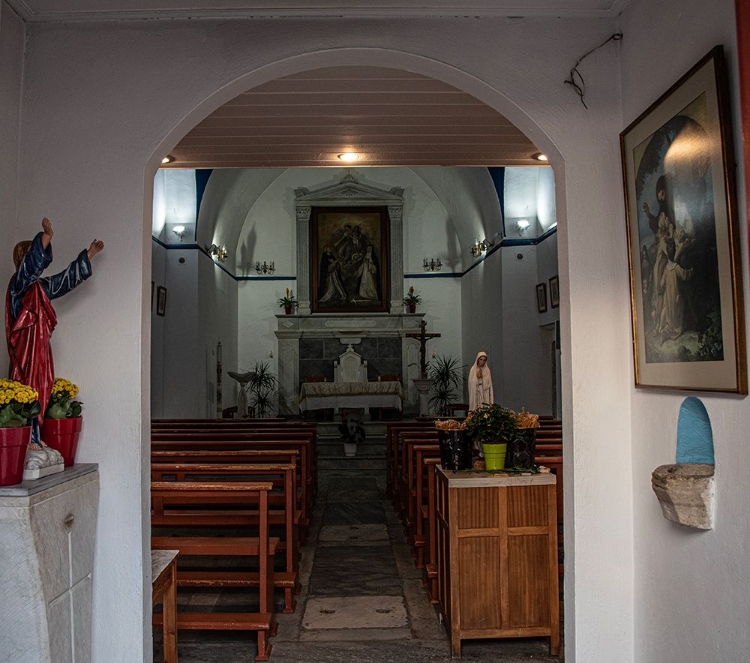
x=349 y=192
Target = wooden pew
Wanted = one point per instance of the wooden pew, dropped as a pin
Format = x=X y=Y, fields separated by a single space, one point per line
x=392 y=451
x=406 y=469
x=417 y=495
x=282 y=510
x=178 y=494
x=249 y=456
x=429 y=515
x=228 y=441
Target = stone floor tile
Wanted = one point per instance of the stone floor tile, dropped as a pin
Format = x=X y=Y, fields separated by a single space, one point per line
x=355 y=612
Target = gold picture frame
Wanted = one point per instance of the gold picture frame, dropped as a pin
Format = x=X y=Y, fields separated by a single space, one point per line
x=683 y=240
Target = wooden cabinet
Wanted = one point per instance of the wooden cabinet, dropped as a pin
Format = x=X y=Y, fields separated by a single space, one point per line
x=497 y=556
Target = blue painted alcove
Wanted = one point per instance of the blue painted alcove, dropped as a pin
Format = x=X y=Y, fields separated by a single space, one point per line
x=695 y=441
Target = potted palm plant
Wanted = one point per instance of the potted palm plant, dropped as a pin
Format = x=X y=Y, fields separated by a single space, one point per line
x=446 y=377
x=19 y=404
x=412 y=299
x=262 y=389
x=62 y=421
x=288 y=302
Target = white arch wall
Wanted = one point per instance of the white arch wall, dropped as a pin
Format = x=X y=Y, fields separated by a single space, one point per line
x=158 y=75
x=689 y=603
x=128 y=102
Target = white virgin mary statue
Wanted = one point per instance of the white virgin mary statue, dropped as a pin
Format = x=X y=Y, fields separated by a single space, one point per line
x=480 y=383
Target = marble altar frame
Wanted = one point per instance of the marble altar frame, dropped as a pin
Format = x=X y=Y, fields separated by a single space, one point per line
x=349 y=193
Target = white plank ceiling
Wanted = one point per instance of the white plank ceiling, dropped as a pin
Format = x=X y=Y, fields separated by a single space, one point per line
x=386 y=116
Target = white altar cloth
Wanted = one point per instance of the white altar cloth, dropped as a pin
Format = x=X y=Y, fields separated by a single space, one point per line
x=320 y=395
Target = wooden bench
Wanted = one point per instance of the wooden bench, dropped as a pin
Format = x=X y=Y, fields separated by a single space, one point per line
x=242 y=441
x=263 y=547
x=249 y=456
x=282 y=511
x=429 y=515
x=417 y=495
x=164 y=591
x=392 y=447
x=406 y=469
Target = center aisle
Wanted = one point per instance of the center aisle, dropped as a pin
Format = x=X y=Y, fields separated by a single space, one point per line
x=362 y=598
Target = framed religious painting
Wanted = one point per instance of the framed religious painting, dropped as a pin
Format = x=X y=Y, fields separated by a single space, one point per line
x=554 y=292
x=541 y=297
x=161 y=300
x=349 y=264
x=683 y=242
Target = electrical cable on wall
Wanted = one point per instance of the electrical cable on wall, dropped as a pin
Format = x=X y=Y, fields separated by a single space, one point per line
x=580 y=85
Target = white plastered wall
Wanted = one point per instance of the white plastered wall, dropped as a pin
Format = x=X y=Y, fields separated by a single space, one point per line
x=11 y=73
x=159 y=79
x=689 y=585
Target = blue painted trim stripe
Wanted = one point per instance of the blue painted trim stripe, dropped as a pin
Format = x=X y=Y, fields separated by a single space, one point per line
x=429 y=275
x=265 y=278
x=201 y=182
x=417 y=275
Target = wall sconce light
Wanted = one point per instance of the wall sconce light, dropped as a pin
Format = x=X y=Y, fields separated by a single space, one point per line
x=179 y=231
x=265 y=268
x=480 y=248
x=432 y=264
x=218 y=253
x=523 y=224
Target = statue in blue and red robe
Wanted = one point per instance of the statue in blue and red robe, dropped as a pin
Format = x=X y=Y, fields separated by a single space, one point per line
x=29 y=316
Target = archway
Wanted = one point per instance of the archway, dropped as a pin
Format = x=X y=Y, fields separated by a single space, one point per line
x=392 y=59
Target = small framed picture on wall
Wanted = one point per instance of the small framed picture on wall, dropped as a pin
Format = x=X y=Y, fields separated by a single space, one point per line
x=541 y=297
x=161 y=300
x=554 y=292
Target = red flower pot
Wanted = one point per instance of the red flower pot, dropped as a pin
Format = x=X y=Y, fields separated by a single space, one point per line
x=62 y=435
x=412 y=308
x=13 y=445
x=288 y=310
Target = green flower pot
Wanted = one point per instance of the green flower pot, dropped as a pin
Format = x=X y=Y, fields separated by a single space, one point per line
x=494 y=456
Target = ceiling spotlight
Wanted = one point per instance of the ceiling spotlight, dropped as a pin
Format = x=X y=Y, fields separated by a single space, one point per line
x=539 y=157
x=168 y=159
x=349 y=156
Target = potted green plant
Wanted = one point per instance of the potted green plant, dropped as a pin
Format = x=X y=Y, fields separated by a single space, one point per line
x=412 y=299
x=492 y=426
x=262 y=389
x=446 y=377
x=288 y=302
x=352 y=433
x=19 y=404
x=62 y=421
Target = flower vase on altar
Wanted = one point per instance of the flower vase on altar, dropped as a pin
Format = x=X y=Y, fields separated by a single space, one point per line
x=62 y=422
x=62 y=435
x=13 y=445
x=18 y=406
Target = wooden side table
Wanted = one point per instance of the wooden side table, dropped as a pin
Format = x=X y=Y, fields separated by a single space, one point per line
x=497 y=556
x=164 y=590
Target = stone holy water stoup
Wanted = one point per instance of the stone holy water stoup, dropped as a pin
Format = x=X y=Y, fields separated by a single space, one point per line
x=686 y=493
x=686 y=489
